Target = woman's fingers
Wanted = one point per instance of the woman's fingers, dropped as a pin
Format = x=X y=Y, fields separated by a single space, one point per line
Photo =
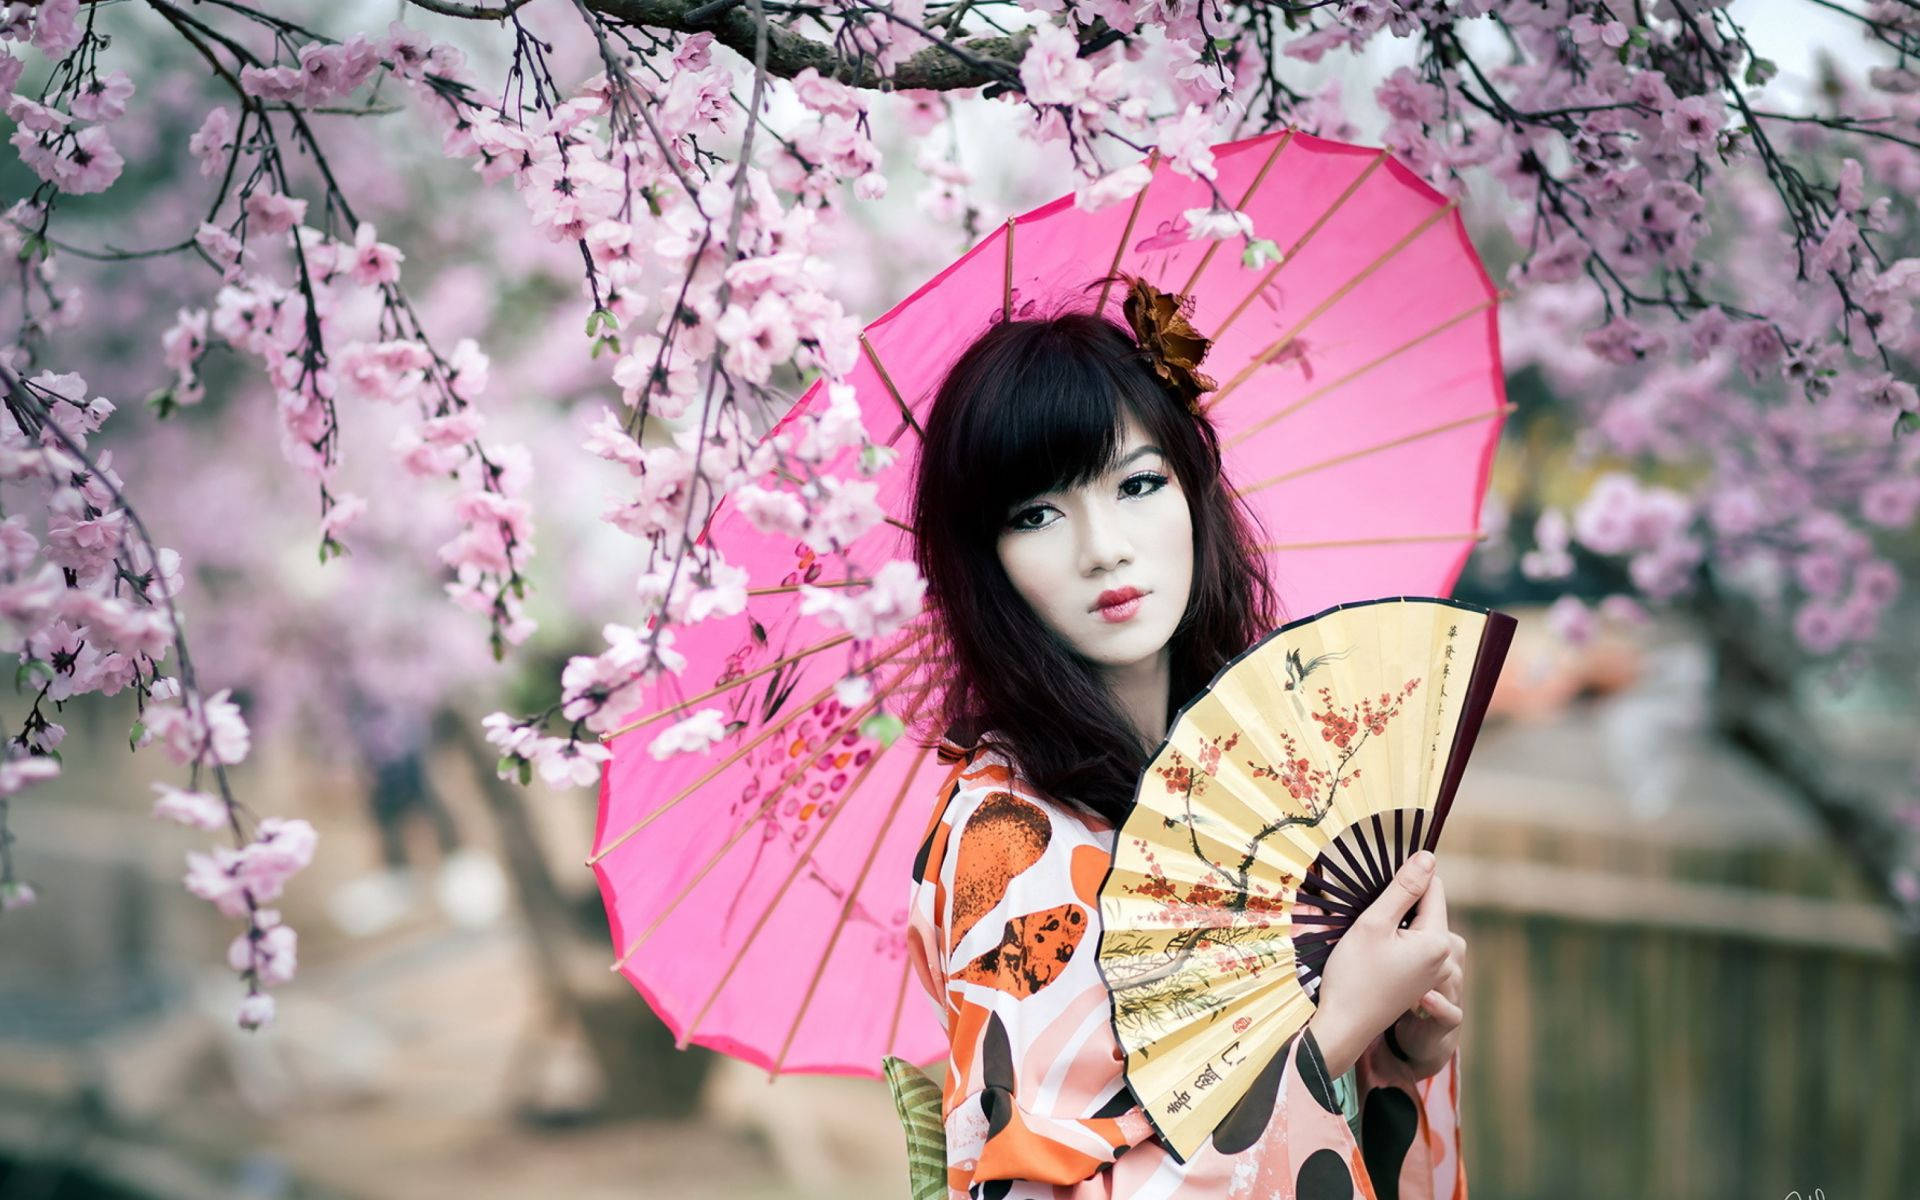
x=1441 y=1009
x=1432 y=913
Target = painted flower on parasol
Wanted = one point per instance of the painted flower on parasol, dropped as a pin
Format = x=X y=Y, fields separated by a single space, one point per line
x=761 y=811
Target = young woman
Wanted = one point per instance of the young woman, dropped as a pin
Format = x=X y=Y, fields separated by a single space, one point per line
x=1092 y=570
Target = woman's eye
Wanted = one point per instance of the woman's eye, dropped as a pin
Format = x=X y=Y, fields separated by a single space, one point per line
x=1018 y=520
x=1158 y=481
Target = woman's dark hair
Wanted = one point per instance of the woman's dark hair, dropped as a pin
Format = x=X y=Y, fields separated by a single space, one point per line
x=1035 y=405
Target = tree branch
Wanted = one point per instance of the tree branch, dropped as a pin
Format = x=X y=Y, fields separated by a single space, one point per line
x=943 y=66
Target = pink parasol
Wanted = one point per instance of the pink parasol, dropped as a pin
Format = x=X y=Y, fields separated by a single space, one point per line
x=758 y=891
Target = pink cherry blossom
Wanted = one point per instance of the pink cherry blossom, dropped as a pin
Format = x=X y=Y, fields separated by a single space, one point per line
x=272 y=213
x=693 y=735
x=197 y=809
x=373 y=261
x=103 y=99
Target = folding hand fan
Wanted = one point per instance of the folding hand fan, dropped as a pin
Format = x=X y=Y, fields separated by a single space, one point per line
x=1308 y=771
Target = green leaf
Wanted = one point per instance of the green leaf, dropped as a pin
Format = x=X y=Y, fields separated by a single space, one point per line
x=526 y=771
x=162 y=404
x=506 y=768
x=1258 y=251
x=601 y=318
x=882 y=727
x=1906 y=422
x=134 y=735
x=30 y=670
x=1760 y=70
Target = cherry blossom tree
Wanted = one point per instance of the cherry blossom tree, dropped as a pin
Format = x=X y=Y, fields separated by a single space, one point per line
x=1734 y=266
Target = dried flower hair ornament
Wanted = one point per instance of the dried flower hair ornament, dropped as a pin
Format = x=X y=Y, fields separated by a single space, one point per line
x=1173 y=347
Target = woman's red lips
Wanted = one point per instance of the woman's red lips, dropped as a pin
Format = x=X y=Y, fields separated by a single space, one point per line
x=1113 y=596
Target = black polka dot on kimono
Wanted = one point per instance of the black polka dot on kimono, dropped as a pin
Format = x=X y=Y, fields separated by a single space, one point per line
x=1324 y=1176
x=1388 y=1125
x=996 y=1076
x=1247 y=1119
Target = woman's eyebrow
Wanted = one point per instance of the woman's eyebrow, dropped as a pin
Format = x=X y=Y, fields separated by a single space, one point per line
x=1138 y=452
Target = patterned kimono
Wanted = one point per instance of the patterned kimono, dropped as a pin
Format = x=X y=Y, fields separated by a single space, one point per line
x=1003 y=930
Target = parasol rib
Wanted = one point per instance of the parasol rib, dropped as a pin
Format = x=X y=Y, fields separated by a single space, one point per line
x=885 y=378
x=1139 y=198
x=1259 y=360
x=1006 y=276
x=1301 y=241
x=1259 y=177
x=853 y=892
x=1402 y=440
x=849 y=721
x=899 y=1004
x=773 y=589
x=749 y=677
x=799 y=865
x=740 y=752
x=1469 y=536
x=1354 y=374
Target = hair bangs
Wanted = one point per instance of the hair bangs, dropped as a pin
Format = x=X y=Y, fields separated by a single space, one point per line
x=1054 y=421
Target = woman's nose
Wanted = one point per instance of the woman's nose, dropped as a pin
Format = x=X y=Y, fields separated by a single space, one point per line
x=1103 y=543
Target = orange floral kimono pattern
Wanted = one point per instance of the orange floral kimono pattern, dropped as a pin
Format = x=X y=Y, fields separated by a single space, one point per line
x=1003 y=933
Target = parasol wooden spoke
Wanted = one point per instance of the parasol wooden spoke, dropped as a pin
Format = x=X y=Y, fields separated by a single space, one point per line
x=766 y=806
x=1402 y=440
x=1259 y=177
x=873 y=356
x=1471 y=535
x=1006 y=275
x=682 y=705
x=1300 y=242
x=899 y=1003
x=776 y=588
x=1259 y=360
x=1126 y=234
x=784 y=475
x=749 y=677
x=799 y=865
x=740 y=751
x=1350 y=376
x=846 y=907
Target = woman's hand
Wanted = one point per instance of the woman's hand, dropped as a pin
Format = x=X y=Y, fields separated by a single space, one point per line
x=1379 y=971
x=1430 y=1034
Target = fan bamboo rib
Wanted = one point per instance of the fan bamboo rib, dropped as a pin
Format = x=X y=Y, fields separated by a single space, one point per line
x=1297 y=767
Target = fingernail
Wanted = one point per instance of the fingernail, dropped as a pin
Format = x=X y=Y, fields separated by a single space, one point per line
x=1422 y=862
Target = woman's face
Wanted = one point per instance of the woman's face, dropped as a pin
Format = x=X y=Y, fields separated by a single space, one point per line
x=1127 y=531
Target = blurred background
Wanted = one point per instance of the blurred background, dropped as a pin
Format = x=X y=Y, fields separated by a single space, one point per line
x=1686 y=977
